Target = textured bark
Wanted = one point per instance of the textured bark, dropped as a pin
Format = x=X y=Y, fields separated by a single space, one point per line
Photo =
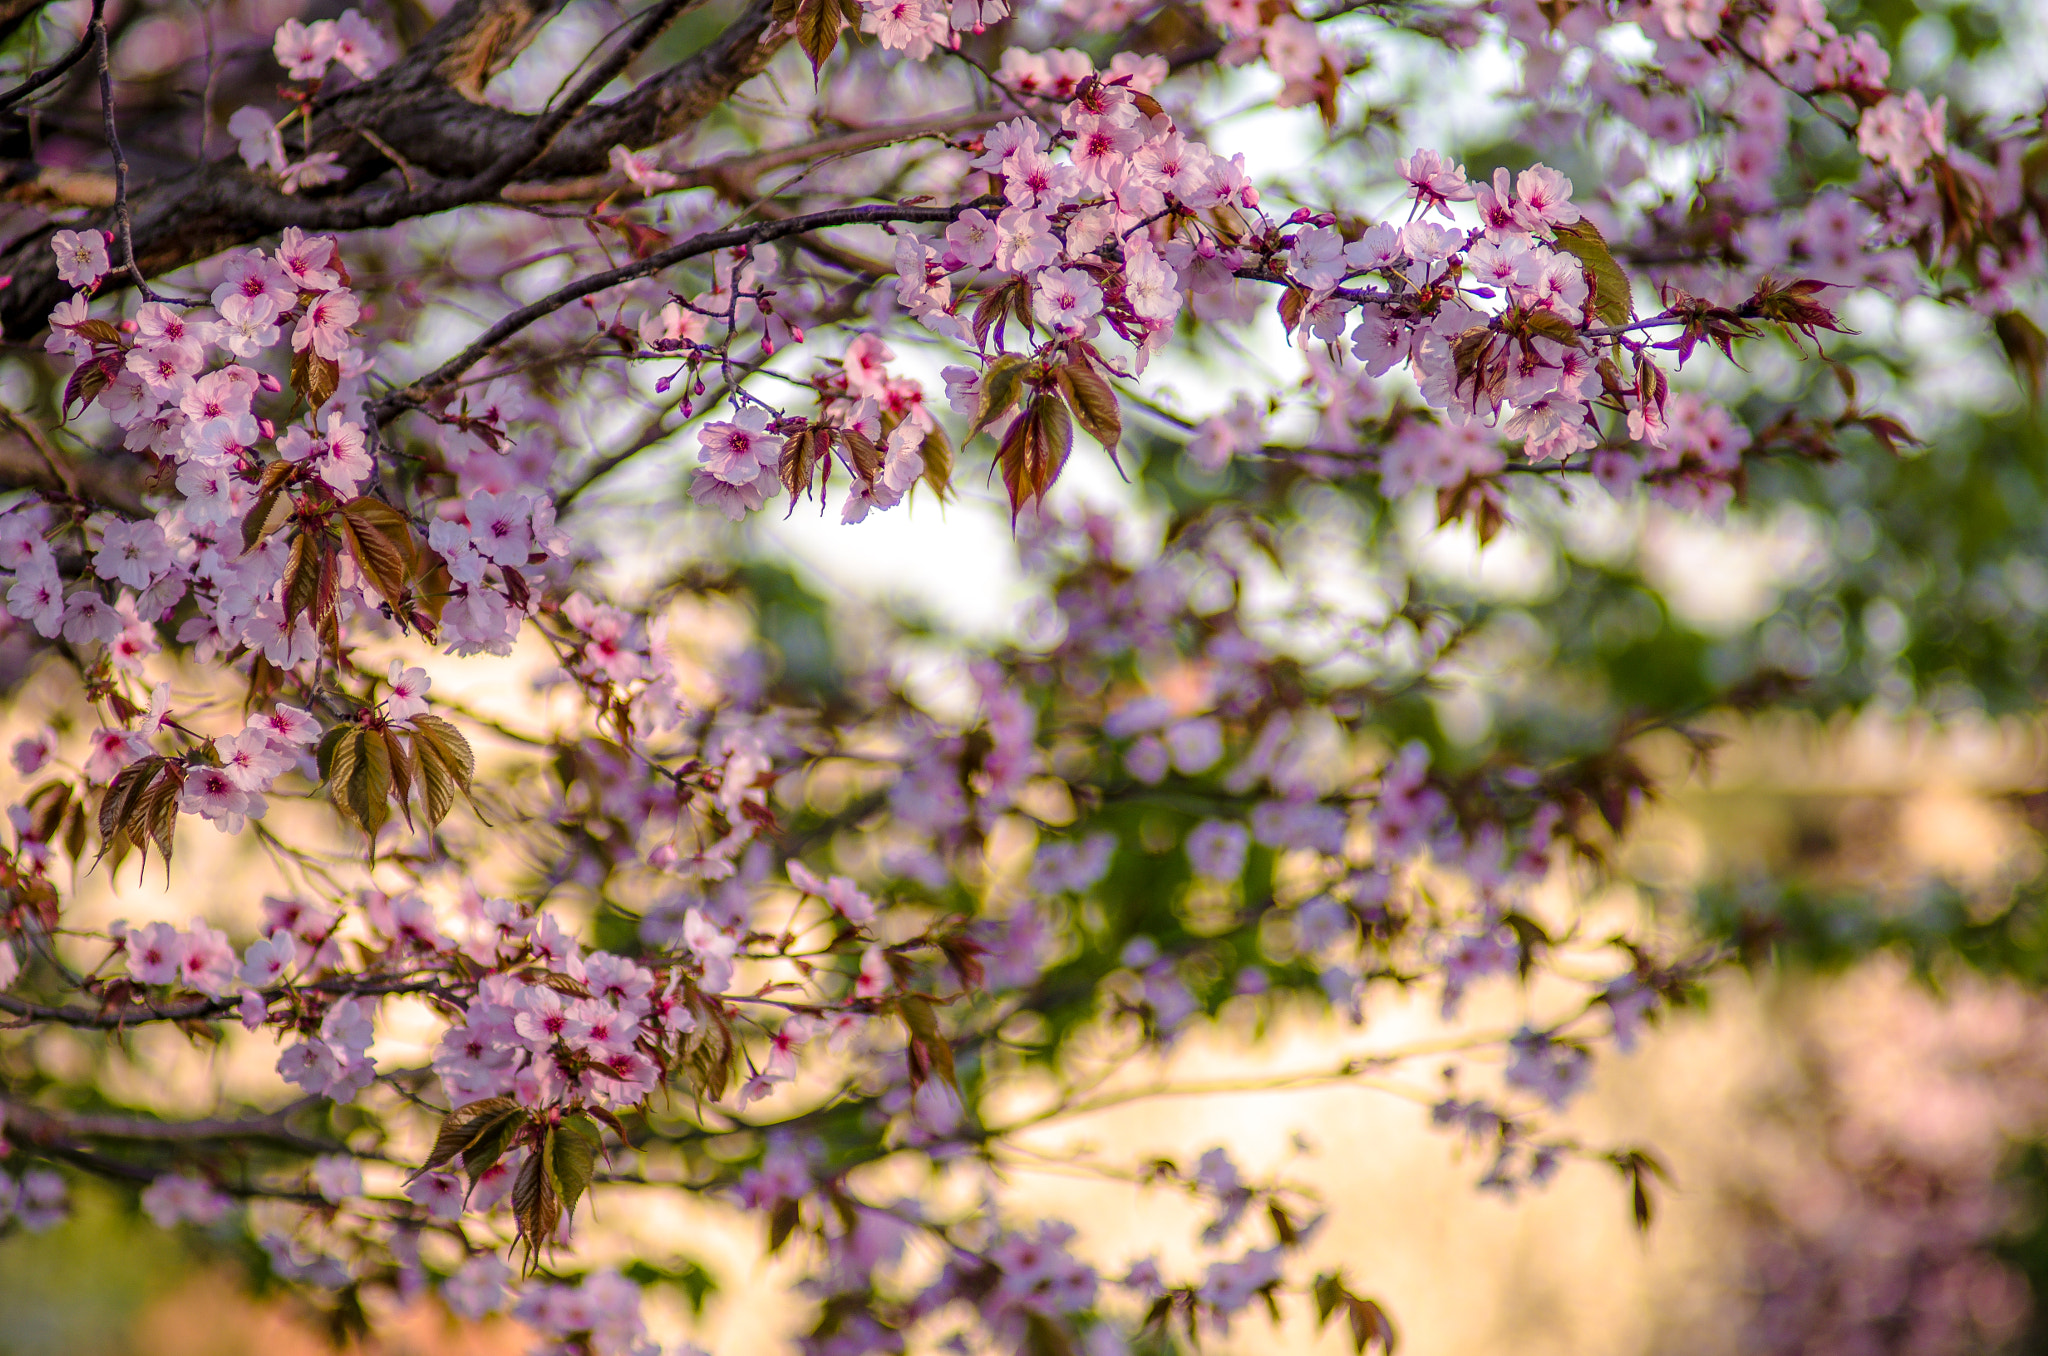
x=425 y=109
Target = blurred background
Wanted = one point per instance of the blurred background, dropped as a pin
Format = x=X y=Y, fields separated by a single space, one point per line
x=1854 y=1120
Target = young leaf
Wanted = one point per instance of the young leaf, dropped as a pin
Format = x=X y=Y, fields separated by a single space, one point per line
x=862 y=452
x=315 y=379
x=817 y=31
x=1093 y=402
x=301 y=578
x=536 y=1209
x=1610 y=296
x=1035 y=451
x=462 y=1127
x=269 y=513
x=158 y=810
x=999 y=386
x=481 y=1154
x=443 y=764
x=403 y=772
x=938 y=463
x=573 y=1155
x=118 y=802
x=359 y=781
x=385 y=556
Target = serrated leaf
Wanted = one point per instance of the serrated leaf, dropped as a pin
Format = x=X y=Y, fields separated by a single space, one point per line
x=301 y=578
x=98 y=331
x=573 y=1152
x=154 y=815
x=444 y=765
x=74 y=833
x=461 y=1127
x=1612 y=299
x=536 y=1209
x=323 y=752
x=449 y=743
x=1093 y=402
x=862 y=452
x=817 y=31
x=1329 y=1293
x=117 y=802
x=999 y=389
x=385 y=564
x=87 y=380
x=315 y=379
x=1369 y=1324
x=1035 y=451
x=1550 y=325
x=483 y=1152
x=403 y=772
x=794 y=468
x=2026 y=347
x=1292 y=306
x=359 y=781
x=265 y=516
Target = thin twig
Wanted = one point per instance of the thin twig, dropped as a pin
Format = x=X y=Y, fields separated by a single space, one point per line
x=94 y=29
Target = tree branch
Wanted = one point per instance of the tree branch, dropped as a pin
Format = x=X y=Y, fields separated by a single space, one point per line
x=422 y=388
x=429 y=105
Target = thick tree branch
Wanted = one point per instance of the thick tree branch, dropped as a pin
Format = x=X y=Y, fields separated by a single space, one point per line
x=33 y=1125
x=427 y=105
x=201 y=1009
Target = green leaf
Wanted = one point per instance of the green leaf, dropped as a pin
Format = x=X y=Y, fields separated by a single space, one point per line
x=359 y=781
x=536 y=1209
x=463 y=1127
x=444 y=765
x=490 y=1144
x=1612 y=299
x=573 y=1158
x=1043 y=1336
x=999 y=387
x=403 y=773
x=265 y=516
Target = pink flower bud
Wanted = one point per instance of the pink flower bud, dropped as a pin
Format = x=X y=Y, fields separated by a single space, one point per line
x=127 y=327
x=266 y=428
x=661 y=386
x=1301 y=216
x=269 y=383
x=664 y=856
